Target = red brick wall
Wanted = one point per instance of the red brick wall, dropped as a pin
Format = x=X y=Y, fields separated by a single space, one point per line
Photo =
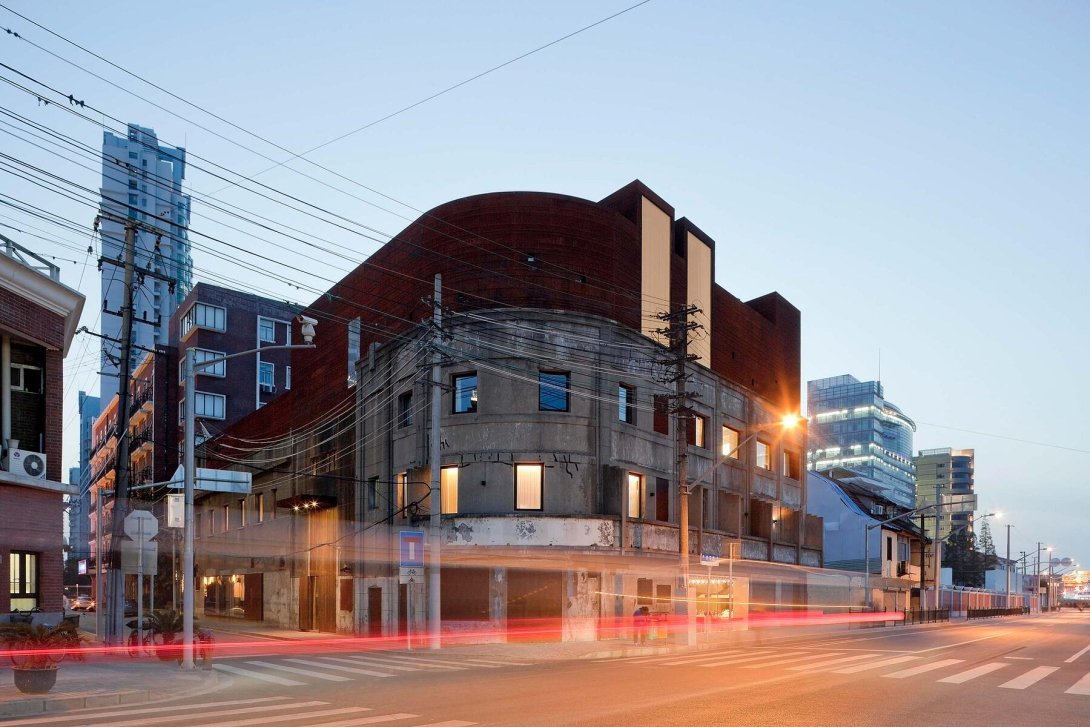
x=32 y=522
x=27 y=319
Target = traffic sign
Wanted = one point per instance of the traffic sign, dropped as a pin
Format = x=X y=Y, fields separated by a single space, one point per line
x=81 y=567
x=709 y=559
x=141 y=525
x=412 y=549
x=175 y=511
x=411 y=575
x=130 y=557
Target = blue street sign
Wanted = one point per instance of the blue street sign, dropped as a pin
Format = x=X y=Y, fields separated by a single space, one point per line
x=412 y=549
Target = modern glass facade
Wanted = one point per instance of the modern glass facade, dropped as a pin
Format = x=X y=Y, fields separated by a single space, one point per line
x=853 y=426
x=949 y=472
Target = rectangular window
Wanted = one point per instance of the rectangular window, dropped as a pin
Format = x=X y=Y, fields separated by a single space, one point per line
x=764 y=455
x=372 y=493
x=197 y=525
x=132 y=199
x=272 y=510
x=792 y=465
x=209 y=406
x=698 y=426
x=23 y=580
x=203 y=315
x=211 y=522
x=405 y=409
x=889 y=548
x=287 y=378
x=662 y=415
x=626 y=402
x=662 y=499
x=635 y=495
x=448 y=490
x=353 y=349
x=266 y=330
x=201 y=355
x=730 y=443
x=259 y=506
x=27 y=379
x=226 y=517
x=528 y=486
x=132 y=184
x=552 y=390
x=132 y=155
x=465 y=393
x=242 y=513
x=402 y=492
x=266 y=376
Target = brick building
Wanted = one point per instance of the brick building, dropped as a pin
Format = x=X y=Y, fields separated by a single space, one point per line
x=347 y=449
x=38 y=318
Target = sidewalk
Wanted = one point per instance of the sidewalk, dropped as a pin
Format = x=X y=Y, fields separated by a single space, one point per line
x=81 y=685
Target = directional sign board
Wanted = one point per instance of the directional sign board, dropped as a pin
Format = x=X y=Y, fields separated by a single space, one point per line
x=709 y=559
x=130 y=557
x=81 y=567
x=141 y=525
x=214 y=480
x=412 y=549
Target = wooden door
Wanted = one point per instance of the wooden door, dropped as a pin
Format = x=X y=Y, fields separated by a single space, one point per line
x=252 y=598
x=374 y=611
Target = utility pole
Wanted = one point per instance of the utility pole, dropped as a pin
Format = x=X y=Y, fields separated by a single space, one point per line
x=189 y=474
x=1008 y=566
x=115 y=592
x=938 y=547
x=677 y=332
x=435 y=498
x=1037 y=575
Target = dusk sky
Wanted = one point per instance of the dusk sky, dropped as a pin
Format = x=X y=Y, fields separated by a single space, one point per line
x=914 y=178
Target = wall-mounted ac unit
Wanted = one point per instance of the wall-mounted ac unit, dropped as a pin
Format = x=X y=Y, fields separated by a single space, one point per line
x=268 y=389
x=27 y=464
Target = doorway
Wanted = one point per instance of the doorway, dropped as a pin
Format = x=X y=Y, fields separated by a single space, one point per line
x=374 y=611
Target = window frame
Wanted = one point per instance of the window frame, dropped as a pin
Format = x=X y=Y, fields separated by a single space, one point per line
x=22 y=578
x=270 y=386
x=540 y=467
x=22 y=369
x=735 y=445
x=768 y=456
x=639 y=481
x=197 y=409
x=791 y=457
x=554 y=390
x=626 y=405
x=287 y=378
x=190 y=323
x=405 y=409
x=401 y=493
x=699 y=430
x=474 y=397
x=261 y=321
x=208 y=371
x=444 y=492
x=259 y=506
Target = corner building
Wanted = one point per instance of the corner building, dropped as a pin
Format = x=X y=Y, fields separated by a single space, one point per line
x=559 y=493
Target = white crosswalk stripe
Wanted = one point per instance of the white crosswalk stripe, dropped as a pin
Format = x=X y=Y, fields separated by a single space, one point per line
x=792 y=660
x=237 y=713
x=301 y=672
x=370 y=662
x=1082 y=686
x=337 y=667
x=1030 y=678
x=923 y=668
x=875 y=665
x=231 y=669
x=973 y=673
x=753 y=657
x=702 y=657
x=832 y=662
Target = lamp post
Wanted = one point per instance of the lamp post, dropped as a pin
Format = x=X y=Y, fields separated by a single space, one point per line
x=189 y=457
x=788 y=422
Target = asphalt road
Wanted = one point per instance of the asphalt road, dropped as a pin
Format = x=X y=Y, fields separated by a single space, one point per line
x=999 y=672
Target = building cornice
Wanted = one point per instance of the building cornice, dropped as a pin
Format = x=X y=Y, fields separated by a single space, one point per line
x=55 y=297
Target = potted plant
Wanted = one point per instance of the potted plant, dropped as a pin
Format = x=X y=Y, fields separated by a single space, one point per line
x=165 y=625
x=36 y=649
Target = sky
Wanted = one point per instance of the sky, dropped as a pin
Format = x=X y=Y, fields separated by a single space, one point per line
x=913 y=177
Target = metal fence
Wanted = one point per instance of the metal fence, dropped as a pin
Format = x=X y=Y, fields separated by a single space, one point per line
x=927 y=616
x=994 y=612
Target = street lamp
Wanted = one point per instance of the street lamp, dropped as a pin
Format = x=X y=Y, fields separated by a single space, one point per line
x=307 y=325
x=790 y=421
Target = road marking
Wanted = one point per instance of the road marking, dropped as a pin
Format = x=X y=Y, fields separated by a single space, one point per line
x=417 y=662
x=258 y=675
x=144 y=722
x=961 y=643
x=922 y=668
x=370 y=662
x=281 y=717
x=146 y=710
x=496 y=663
x=968 y=674
x=370 y=720
x=876 y=664
x=1082 y=686
x=716 y=657
x=350 y=670
x=451 y=723
x=820 y=666
x=429 y=660
x=1030 y=678
x=792 y=660
x=1020 y=658
x=1076 y=656
x=742 y=659
x=303 y=672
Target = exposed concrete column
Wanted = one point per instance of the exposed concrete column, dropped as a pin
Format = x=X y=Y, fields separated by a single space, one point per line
x=497 y=598
x=5 y=389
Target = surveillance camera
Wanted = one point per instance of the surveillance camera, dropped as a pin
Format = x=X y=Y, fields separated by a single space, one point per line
x=307 y=325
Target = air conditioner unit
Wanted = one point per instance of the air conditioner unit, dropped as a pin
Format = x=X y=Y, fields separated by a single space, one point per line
x=27 y=464
x=268 y=389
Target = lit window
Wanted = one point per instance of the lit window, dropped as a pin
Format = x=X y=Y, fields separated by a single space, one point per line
x=528 y=486
x=465 y=393
x=405 y=409
x=626 y=401
x=448 y=490
x=698 y=431
x=226 y=518
x=635 y=495
x=23 y=580
x=259 y=506
x=402 y=492
x=267 y=376
x=266 y=330
x=242 y=513
x=730 y=443
x=764 y=455
x=552 y=392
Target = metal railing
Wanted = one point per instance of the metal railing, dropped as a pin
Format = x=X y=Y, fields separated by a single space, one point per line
x=994 y=612
x=934 y=615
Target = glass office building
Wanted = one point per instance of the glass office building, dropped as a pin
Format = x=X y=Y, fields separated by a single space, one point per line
x=853 y=426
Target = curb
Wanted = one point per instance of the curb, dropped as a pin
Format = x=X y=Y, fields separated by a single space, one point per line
x=32 y=706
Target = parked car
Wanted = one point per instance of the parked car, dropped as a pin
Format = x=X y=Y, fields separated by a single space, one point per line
x=130 y=607
x=83 y=603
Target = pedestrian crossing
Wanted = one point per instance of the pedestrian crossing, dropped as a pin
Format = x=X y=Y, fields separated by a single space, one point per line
x=301 y=671
x=280 y=711
x=874 y=663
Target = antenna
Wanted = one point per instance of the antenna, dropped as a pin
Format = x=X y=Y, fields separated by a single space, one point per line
x=879 y=365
